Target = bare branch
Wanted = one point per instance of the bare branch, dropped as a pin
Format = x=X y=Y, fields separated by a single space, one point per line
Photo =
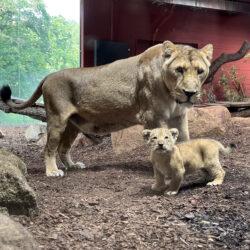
x=36 y=111
x=225 y=58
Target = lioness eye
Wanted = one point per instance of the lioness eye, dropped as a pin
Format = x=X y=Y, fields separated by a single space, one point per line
x=200 y=71
x=155 y=137
x=166 y=137
x=180 y=70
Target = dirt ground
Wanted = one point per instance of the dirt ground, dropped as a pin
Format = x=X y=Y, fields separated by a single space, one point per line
x=110 y=205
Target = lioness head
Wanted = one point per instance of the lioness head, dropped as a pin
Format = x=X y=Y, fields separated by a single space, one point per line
x=161 y=139
x=184 y=70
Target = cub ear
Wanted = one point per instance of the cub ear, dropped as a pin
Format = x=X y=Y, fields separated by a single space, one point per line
x=146 y=134
x=174 y=132
x=169 y=48
x=208 y=51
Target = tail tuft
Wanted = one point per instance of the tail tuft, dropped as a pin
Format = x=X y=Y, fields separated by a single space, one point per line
x=233 y=145
x=5 y=93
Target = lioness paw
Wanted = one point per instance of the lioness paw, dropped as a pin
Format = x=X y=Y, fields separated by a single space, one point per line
x=158 y=188
x=55 y=173
x=171 y=192
x=78 y=165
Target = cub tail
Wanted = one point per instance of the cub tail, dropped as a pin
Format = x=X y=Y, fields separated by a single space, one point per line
x=228 y=149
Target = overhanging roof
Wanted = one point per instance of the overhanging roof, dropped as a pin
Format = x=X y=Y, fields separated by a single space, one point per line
x=226 y=5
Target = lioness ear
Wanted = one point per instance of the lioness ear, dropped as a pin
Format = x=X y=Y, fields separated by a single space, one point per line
x=208 y=51
x=174 y=132
x=146 y=133
x=169 y=48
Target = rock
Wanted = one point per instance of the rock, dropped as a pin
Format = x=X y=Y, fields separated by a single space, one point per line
x=1 y=135
x=203 y=122
x=34 y=132
x=13 y=236
x=189 y=216
x=241 y=121
x=83 y=141
x=42 y=141
x=15 y=193
x=209 y=121
x=127 y=139
x=14 y=160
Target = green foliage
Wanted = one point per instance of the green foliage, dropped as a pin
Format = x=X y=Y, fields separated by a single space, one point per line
x=33 y=44
x=232 y=84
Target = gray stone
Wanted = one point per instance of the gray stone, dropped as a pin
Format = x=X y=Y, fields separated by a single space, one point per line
x=34 y=132
x=13 y=236
x=15 y=193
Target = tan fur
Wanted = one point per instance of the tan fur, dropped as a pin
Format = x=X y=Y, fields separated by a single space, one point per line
x=146 y=89
x=174 y=161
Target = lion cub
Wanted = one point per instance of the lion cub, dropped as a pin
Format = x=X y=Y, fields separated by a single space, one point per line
x=183 y=158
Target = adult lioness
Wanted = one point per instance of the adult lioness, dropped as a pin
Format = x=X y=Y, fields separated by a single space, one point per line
x=153 y=88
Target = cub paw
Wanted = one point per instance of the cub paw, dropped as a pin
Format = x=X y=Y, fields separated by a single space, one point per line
x=55 y=173
x=158 y=188
x=171 y=192
x=214 y=183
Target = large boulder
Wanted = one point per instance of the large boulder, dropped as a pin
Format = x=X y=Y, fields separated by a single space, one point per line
x=15 y=193
x=13 y=236
x=209 y=121
x=34 y=132
x=203 y=122
x=126 y=140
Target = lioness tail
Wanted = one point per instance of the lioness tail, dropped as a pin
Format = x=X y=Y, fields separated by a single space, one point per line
x=5 y=94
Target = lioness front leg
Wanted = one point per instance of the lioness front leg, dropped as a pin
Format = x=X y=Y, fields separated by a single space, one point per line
x=67 y=139
x=175 y=183
x=159 y=184
x=181 y=123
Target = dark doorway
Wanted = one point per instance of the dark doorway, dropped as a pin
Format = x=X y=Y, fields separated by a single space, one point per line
x=109 y=51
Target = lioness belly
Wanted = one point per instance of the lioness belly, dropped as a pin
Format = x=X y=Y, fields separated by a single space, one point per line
x=97 y=128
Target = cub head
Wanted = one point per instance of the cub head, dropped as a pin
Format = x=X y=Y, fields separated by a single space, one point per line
x=184 y=70
x=161 y=139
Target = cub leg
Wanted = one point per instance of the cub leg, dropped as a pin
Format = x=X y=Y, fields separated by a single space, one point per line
x=217 y=173
x=159 y=184
x=175 y=183
x=205 y=176
x=67 y=139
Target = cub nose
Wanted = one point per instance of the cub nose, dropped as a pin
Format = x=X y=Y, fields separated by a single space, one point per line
x=189 y=93
x=160 y=145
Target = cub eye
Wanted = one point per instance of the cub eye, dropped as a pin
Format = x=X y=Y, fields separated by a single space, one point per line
x=166 y=137
x=154 y=138
x=180 y=70
x=200 y=71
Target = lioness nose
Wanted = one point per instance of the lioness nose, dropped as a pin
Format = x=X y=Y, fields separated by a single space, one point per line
x=189 y=93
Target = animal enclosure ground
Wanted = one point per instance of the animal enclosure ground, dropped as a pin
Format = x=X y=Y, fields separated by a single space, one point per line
x=110 y=205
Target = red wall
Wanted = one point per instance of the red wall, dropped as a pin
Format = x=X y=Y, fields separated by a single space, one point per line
x=139 y=21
